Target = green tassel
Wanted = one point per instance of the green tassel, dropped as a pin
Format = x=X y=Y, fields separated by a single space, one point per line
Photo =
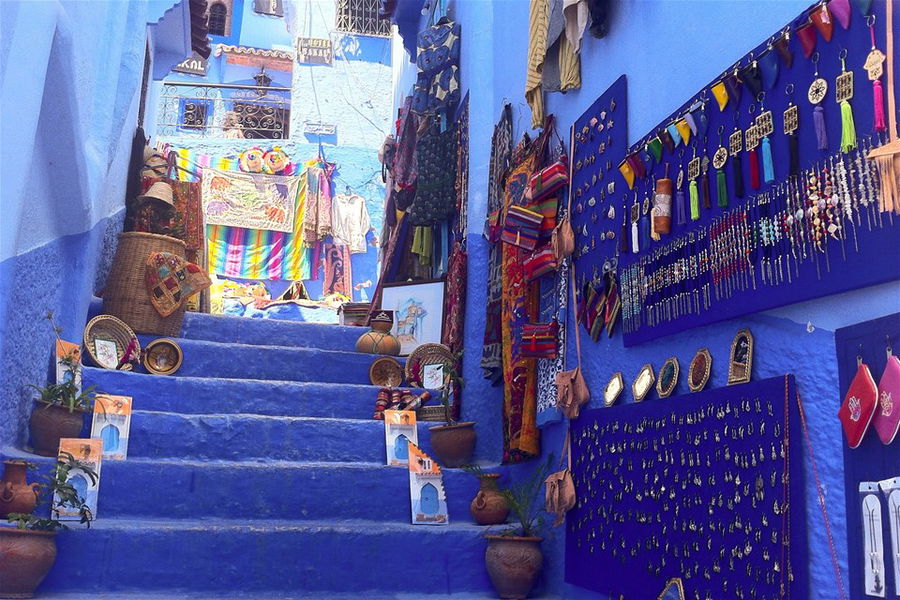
x=722 y=189
x=848 y=129
x=695 y=201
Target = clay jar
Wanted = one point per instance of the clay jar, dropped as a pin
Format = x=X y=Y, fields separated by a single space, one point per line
x=379 y=340
x=49 y=423
x=26 y=557
x=16 y=494
x=489 y=507
x=513 y=564
x=454 y=444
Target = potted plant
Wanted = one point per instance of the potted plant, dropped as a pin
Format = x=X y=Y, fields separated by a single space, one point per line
x=453 y=442
x=28 y=550
x=514 y=558
x=60 y=406
x=489 y=507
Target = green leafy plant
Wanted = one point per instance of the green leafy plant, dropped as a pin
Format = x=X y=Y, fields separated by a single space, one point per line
x=452 y=381
x=67 y=393
x=524 y=504
x=477 y=471
x=56 y=484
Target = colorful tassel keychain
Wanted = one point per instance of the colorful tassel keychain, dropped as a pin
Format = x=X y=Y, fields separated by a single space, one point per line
x=791 y=123
x=719 y=159
x=680 y=209
x=843 y=94
x=693 y=175
x=699 y=113
x=874 y=66
x=751 y=141
x=765 y=126
x=816 y=93
x=735 y=145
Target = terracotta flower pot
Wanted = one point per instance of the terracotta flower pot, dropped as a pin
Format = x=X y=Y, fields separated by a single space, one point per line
x=489 y=507
x=49 y=423
x=454 y=444
x=513 y=564
x=16 y=494
x=25 y=559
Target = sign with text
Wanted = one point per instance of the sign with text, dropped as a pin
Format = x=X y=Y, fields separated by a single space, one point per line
x=314 y=51
x=195 y=65
x=319 y=128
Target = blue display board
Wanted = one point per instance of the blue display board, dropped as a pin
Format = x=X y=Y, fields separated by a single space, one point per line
x=707 y=487
x=756 y=251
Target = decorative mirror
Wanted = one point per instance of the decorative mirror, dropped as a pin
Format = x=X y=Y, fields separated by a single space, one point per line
x=741 y=357
x=674 y=590
x=613 y=389
x=668 y=378
x=643 y=383
x=698 y=374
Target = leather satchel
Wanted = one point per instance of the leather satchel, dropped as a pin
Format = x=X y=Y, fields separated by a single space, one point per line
x=563 y=240
x=571 y=392
x=559 y=490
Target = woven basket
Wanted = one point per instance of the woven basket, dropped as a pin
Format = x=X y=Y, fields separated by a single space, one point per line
x=126 y=295
x=106 y=327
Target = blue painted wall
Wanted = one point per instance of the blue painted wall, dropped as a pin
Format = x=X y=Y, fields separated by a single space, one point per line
x=352 y=94
x=668 y=51
x=68 y=117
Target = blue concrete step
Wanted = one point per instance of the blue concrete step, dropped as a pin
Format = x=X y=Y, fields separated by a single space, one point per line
x=282 y=363
x=262 y=490
x=201 y=395
x=251 y=556
x=246 y=437
x=265 y=332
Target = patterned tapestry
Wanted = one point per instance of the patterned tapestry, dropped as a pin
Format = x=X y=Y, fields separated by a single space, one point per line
x=250 y=200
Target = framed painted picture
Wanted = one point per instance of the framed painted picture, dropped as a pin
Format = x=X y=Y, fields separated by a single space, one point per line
x=418 y=312
x=106 y=353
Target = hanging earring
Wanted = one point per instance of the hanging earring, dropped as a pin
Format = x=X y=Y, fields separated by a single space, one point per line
x=842 y=95
x=874 y=66
x=791 y=124
x=816 y=93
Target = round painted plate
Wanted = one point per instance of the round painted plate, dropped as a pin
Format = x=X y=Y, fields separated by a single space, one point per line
x=162 y=357
x=386 y=372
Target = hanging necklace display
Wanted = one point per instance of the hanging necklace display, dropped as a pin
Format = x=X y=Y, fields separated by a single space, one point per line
x=816 y=93
x=891 y=489
x=751 y=141
x=791 y=124
x=735 y=145
x=720 y=157
x=765 y=126
x=693 y=174
x=872 y=540
x=874 y=67
x=842 y=95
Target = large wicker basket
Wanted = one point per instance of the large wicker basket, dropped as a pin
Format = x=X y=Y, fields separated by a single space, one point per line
x=126 y=295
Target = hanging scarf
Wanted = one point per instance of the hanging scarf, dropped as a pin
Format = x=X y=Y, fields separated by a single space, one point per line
x=338 y=275
x=317 y=214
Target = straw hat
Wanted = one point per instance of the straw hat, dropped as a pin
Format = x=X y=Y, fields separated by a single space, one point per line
x=161 y=191
x=155 y=164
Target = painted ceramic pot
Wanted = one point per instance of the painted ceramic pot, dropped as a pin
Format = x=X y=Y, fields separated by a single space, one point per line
x=26 y=557
x=49 y=423
x=379 y=340
x=16 y=494
x=513 y=563
x=489 y=507
x=454 y=444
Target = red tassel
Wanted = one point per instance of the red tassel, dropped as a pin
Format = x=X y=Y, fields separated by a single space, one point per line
x=879 y=105
x=754 y=168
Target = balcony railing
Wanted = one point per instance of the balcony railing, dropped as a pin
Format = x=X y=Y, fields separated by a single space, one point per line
x=224 y=111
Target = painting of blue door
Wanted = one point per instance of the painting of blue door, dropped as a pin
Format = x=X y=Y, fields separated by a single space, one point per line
x=401 y=448
x=110 y=436
x=80 y=484
x=429 y=502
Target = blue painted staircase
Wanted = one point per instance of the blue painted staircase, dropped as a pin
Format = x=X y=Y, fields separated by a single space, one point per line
x=257 y=472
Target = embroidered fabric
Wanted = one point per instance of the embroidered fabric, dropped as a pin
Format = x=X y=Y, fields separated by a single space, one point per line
x=547 y=369
x=350 y=221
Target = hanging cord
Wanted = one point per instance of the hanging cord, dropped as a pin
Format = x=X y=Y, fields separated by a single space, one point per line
x=821 y=495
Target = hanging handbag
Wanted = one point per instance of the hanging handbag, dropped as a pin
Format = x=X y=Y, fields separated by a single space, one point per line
x=540 y=340
x=559 y=491
x=548 y=181
x=521 y=227
x=540 y=263
x=563 y=240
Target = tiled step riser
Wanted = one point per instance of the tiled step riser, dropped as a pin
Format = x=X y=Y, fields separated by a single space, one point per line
x=237 y=361
x=316 y=558
x=267 y=332
x=248 y=437
x=194 y=395
x=270 y=491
